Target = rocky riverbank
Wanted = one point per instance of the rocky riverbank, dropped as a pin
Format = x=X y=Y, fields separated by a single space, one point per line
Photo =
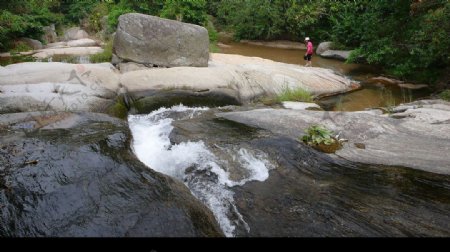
x=414 y=135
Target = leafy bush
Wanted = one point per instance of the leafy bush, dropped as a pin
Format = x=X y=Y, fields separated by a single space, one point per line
x=95 y=18
x=445 y=95
x=213 y=36
x=297 y=94
x=115 y=13
x=75 y=10
x=193 y=12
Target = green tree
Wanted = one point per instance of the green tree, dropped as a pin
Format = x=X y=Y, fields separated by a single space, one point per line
x=186 y=11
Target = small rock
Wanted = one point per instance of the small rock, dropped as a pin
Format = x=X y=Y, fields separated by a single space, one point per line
x=336 y=54
x=75 y=33
x=412 y=86
x=360 y=145
x=299 y=105
x=324 y=46
x=384 y=80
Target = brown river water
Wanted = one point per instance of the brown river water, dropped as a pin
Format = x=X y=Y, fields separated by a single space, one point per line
x=369 y=96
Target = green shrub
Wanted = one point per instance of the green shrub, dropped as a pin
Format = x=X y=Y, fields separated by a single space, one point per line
x=115 y=13
x=95 y=18
x=104 y=56
x=213 y=35
x=193 y=12
x=297 y=94
x=445 y=95
x=317 y=134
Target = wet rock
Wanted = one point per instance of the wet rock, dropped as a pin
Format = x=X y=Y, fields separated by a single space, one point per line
x=413 y=86
x=147 y=102
x=152 y=40
x=420 y=140
x=312 y=194
x=78 y=177
x=384 y=80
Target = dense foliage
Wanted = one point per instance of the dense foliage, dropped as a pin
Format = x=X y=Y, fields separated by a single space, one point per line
x=409 y=38
x=24 y=18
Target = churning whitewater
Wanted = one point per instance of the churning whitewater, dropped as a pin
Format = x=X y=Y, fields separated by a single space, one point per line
x=208 y=177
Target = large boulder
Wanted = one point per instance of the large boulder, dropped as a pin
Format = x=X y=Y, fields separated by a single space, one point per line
x=417 y=135
x=324 y=46
x=34 y=44
x=75 y=33
x=336 y=54
x=65 y=174
x=152 y=40
x=325 y=50
x=36 y=86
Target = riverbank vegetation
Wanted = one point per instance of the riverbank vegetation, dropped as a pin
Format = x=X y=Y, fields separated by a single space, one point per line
x=408 y=38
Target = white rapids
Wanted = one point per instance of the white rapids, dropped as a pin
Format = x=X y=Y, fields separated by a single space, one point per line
x=193 y=163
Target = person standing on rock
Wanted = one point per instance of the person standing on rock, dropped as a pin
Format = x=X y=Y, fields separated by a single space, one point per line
x=309 y=52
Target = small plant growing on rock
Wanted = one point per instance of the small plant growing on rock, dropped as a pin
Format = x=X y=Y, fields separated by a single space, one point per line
x=322 y=139
x=297 y=94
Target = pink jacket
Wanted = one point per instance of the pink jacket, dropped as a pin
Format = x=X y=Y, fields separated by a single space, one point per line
x=309 y=48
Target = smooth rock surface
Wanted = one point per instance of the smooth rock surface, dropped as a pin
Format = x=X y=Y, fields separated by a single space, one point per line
x=57 y=87
x=45 y=53
x=420 y=140
x=240 y=77
x=85 y=42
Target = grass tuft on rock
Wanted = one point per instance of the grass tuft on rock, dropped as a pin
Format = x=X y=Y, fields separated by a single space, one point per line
x=104 y=56
x=297 y=94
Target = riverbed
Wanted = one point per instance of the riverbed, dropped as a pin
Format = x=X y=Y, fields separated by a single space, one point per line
x=369 y=96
